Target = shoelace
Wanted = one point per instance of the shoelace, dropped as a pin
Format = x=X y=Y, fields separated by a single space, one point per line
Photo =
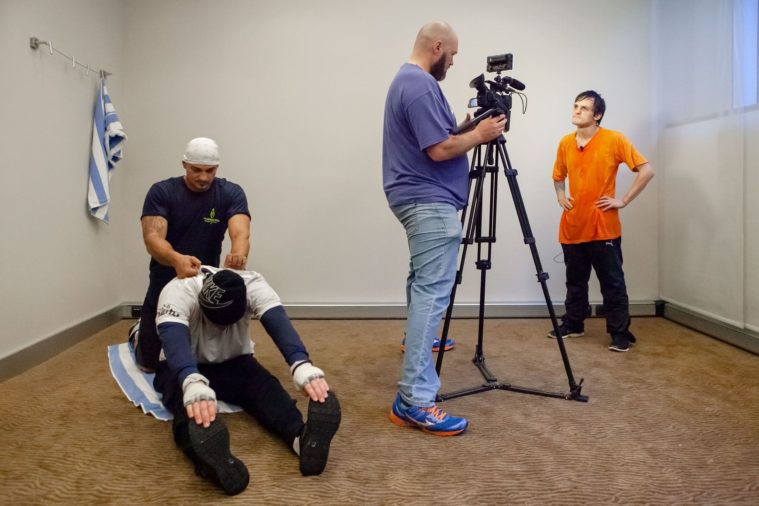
x=436 y=412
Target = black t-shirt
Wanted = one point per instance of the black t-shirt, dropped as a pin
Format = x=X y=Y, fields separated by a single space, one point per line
x=197 y=221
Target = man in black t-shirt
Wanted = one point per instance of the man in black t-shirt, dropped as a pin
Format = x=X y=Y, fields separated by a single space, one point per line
x=184 y=220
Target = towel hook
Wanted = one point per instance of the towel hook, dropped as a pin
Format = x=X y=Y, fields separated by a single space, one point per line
x=50 y=45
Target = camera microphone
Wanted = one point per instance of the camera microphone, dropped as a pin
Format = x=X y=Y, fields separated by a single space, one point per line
x=515 y=83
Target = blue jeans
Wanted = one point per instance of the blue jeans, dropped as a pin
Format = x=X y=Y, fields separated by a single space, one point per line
x=434 y=235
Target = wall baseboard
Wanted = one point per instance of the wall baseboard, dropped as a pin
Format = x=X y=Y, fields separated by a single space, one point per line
x=742 y=338
x=37 y=353
x=398 y=311
x=47 y=348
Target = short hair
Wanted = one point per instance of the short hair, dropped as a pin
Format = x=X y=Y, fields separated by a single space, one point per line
x=599 y=104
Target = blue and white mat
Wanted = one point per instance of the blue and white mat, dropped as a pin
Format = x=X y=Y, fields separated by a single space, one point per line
x=138 y=385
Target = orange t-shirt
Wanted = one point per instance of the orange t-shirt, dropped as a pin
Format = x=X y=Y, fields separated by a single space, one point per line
x=592 y=174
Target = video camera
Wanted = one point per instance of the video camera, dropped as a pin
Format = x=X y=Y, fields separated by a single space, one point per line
x=494 y=97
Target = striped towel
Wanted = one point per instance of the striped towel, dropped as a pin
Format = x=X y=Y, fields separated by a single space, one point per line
x=138 y=386
x=107 y=140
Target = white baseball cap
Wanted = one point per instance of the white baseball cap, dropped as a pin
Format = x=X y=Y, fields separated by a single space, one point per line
x=202 y=151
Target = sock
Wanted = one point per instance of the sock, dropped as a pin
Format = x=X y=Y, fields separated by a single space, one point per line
x=296 y=445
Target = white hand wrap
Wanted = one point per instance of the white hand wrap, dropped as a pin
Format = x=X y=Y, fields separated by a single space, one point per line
x=195 y=388
x=303 y=372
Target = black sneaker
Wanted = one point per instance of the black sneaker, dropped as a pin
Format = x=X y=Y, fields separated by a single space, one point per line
x=619 y=343
x=323 y=421
x=566 y=332
x=213 y=460
x=134 y=337
x=134 y=332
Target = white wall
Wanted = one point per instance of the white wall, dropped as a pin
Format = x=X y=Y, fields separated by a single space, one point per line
x=710 y=230
x=751 y=220
x=58 y=266
x=702 y=217
x=293 y=91
x=709 y=243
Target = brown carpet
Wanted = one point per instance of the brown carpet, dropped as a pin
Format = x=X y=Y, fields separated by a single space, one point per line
x=674 y=421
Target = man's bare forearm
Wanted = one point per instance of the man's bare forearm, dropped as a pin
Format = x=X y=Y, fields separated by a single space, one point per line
x=642 y=178
x=154 y=230
x=560 y=187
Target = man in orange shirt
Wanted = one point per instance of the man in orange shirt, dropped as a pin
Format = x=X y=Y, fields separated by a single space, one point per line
x=590 y=232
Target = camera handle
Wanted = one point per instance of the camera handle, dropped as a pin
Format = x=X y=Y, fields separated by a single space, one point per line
x=485 y=164
x=474 y=121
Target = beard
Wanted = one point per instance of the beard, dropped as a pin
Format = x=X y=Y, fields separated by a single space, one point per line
x=438 y=69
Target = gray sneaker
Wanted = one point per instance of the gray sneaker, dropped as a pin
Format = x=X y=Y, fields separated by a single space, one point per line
x=566 y=332
x=619 y=343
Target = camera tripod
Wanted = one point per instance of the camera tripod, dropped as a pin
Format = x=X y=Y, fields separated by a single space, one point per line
x=485 y=165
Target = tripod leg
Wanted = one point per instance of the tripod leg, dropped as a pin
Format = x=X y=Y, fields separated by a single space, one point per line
x=484 y=237
x=471 y=220
x=485 y=242
x=484 y=255
x=468 y=221
x=541 y=275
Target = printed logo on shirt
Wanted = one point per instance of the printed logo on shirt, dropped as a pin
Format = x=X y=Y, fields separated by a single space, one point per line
x=211 y=218
x=166 y=309
x=609 y=243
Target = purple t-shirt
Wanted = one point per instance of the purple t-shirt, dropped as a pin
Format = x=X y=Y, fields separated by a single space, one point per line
x=418 y=116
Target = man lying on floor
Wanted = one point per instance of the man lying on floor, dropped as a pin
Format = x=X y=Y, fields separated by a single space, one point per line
x=203 y=325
